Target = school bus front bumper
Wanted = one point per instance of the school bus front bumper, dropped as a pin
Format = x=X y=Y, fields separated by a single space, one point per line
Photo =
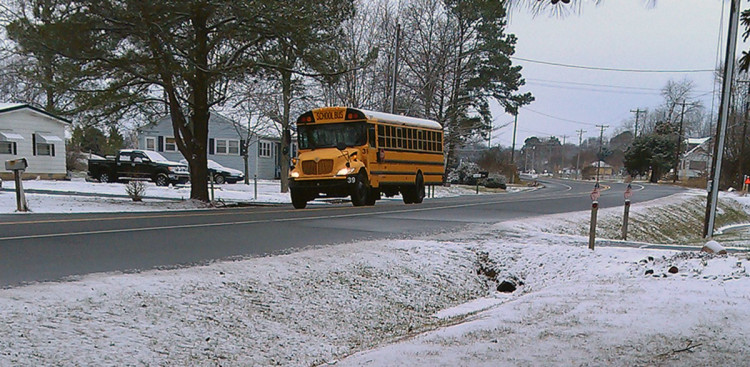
x=334 y=186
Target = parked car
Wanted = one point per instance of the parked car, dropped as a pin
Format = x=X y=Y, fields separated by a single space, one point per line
x=138 y=164
x=222 y=174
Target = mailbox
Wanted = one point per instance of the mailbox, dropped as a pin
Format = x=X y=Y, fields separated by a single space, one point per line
x=16 y=164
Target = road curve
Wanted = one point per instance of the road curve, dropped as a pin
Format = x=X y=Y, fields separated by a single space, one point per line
x=48 y=247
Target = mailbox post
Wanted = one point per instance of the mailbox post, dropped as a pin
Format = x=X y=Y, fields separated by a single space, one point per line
x=18 y=166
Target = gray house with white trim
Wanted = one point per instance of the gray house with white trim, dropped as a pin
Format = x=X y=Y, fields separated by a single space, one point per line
x=224 y=145
x=37 y=135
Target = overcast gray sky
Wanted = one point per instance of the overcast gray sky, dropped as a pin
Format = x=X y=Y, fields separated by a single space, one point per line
x=621 y=34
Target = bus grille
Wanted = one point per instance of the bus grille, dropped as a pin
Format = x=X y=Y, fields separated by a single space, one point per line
x=322 y=167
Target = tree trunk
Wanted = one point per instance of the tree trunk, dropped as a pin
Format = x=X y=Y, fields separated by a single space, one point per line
x=195 y=148
x=286 y=86
x=247 y=173
x=654 y=175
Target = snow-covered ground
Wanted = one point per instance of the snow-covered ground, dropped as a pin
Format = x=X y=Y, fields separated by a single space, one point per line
x=157 y=197
x=410 y=302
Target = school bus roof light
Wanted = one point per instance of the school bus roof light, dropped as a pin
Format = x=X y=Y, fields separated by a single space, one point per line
x=352 y=114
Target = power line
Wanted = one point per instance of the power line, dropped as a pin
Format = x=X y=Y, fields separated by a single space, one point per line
x=536 y=81
x=653 y=93
x=560 y=118
x=592 y=84
x=612 y=69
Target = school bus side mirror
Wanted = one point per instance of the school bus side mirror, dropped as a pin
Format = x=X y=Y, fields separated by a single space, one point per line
x=340 y=145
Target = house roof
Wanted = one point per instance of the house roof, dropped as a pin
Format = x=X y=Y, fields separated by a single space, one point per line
x=10 y=107
x=699 y=147
x=697 y=141
x=601 y=164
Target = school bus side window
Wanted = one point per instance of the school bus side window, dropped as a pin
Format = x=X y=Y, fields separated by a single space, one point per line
x=381 y=136
x=371 y=135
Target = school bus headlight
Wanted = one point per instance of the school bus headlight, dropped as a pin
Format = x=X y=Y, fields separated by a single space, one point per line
x=295 y=174
x=345 y=171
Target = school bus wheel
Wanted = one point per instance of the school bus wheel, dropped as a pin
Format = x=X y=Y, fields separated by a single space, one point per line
x=419 y=191
x=360 y=190
x=299 y=198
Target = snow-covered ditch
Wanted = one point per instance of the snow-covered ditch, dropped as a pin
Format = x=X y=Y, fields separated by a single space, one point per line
x=416 y=302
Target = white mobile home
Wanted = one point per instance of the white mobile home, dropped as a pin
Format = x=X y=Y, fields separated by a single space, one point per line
x=37 y=135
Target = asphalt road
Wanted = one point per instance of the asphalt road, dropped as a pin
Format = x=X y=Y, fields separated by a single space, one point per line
x=46 y=247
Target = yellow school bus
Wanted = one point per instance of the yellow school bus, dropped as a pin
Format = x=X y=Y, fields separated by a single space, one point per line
x=365 y=154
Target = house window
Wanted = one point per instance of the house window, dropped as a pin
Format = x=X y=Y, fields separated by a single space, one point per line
x=698 y=165
x=234 y=147
x=227 y=147
x=221 y=146
x=44 y=149
x=151 y=143
x=264 y=149
x=7 y=147
x=170 y=145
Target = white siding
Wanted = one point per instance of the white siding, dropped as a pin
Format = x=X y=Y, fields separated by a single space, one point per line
x=26 y=122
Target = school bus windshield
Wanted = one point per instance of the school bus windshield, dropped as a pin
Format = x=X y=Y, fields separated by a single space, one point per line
x=328 y=135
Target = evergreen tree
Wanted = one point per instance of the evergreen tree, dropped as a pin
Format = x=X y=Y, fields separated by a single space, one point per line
x=304 y=44
x=136 y=54
x=115 y=141
x=651 y=152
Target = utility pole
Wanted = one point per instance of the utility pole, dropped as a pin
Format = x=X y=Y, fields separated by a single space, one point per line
x=513 y=149
x=637 y=115
x=395 y=68
x=599 y=156
x=679 y=144
x=721 y=127
x=744 y=132
x=580 y=141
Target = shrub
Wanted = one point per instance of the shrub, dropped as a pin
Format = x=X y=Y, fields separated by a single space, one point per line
x=136 y=190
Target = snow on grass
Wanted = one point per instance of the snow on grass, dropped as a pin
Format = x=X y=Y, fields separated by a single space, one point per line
x=56 y=200
x=677 y=219
x=575 y=307
x=416 y=302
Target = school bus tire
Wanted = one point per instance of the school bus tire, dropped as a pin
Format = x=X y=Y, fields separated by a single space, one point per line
x=360 y=190
x=419 y=191
x=299 y=198
x=372 y=197
x=407 y=193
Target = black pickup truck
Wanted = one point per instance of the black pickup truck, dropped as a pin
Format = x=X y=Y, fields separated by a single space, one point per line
x=138 y=164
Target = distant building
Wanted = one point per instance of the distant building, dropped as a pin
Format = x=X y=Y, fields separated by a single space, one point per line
x=224 y=144
x=37 y=135
x=603 y=168
x=696 y=161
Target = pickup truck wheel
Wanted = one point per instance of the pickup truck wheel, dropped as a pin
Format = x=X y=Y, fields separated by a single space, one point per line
x=162 y=180
x=219 y=179
x=104 y=177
